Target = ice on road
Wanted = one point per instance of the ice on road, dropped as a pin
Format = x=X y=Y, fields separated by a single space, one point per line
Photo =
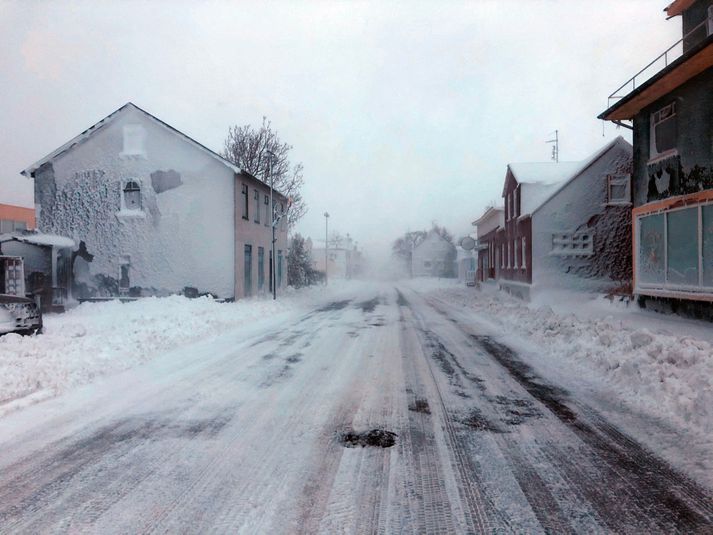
x=259 y=431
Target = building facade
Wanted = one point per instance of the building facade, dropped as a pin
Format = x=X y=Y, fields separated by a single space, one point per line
x=487 y=227
x=567 y=224
x=16 y=218
x=154 y=212
x=433 y=257
x=671 y=115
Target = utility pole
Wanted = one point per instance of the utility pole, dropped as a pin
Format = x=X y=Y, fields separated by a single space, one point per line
x=273 y=275
x=326 y=246
x=555 y=147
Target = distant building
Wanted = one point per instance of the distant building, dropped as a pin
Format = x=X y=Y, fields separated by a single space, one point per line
x=16 y=218
x=671 y=114
x=156 y=212
x=433 y=257
x=343 y=260
x=487 y=227
x=466 y=264
x=567 y=224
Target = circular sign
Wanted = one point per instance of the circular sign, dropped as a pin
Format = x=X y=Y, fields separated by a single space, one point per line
x=467 y=243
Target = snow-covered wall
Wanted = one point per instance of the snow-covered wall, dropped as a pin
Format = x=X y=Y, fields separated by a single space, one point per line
x=183 y=232
x=582 y=206
x=434 y=257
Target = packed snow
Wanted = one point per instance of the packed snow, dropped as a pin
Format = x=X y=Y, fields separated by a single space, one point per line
x=659 y=367
x=101 y=338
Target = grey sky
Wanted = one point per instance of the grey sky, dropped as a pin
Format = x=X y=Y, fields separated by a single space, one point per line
x=402 y=112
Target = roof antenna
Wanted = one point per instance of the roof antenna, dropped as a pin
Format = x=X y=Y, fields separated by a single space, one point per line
x=555 y=147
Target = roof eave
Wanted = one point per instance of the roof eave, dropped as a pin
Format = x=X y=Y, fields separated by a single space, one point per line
x=691 y=64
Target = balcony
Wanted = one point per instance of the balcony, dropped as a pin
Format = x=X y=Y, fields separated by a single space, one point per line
x=658 y=77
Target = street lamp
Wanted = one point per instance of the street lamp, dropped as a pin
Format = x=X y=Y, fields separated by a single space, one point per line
x=326 y=245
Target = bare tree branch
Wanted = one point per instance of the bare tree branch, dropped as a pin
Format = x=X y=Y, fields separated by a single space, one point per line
x=248 y=148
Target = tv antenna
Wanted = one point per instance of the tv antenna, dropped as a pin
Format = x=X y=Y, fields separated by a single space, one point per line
x=555 y=147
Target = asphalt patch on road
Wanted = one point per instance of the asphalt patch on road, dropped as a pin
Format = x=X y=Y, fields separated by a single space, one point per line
x=475 y=420
x=420 y=405
x=335 y=305
x=368 y=306
x=517 y=411
x=376 y=438
x=400 y=299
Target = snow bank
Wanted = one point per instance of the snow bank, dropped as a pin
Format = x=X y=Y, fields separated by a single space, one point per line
x=663 y=374
x=96 y=339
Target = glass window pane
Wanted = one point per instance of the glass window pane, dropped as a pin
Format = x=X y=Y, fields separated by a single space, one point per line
x=682 y=244
x=708 y=245
x=651 y=249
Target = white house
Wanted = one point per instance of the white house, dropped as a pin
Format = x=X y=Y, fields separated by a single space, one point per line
x=433 y=257
x=156 y=212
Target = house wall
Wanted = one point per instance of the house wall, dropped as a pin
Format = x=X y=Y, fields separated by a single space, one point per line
x=582 y=206
x=10 y=215
x=691 y=169
x=184 y=233
x=517 y=227
x=685 y=178
x=692 y=17
x=436 y=251
x=256 y=232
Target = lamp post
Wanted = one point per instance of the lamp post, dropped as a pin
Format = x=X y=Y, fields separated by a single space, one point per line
x=273 y=274
x=326 y=246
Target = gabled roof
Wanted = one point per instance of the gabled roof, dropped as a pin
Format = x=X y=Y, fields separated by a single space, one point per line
x=81 y=138
x=540 y=181
x=583 y=166
x=38 y=238
x=489 y=211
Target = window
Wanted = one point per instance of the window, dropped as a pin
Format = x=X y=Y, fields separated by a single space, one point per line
x=502 y=255
x=134 y=140
x=618 y=189
x=256 y=197
x=682 y=247
x=6 y=226
x=524 y=253
x=245 y=201
x=260 y=269
x=132 y=196
x=248 y=271
x=664 y=130
x=267 y=210
x=651 y=249
x=279 y=269
x=516 y=194
x=509 y=253
x=575 y=244
x=675 y=249
x=508 y=206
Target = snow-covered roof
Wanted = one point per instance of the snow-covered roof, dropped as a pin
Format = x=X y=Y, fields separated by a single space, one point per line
x=540 y=181
x=489 y=212
x=38 y=238
x=112 y=117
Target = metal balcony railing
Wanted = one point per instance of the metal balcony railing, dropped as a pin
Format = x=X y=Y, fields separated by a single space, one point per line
x=672 y=53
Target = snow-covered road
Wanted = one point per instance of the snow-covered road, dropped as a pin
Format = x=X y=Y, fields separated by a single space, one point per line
x=241 y=433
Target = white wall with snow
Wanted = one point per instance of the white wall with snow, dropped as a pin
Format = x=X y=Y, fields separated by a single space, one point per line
x=183 y=235
x=581 y=205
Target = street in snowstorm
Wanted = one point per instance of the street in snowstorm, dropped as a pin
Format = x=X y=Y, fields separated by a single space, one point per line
x=383 y=409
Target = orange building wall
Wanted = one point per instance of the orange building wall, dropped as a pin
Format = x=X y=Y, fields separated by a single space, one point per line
x=18 y=213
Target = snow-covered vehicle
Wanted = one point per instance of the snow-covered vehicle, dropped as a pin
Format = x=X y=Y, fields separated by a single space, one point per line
x=17 y=313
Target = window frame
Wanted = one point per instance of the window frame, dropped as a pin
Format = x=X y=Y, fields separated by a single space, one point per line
x=245 y=190
x=137 y=190
x=578 y=243
x=256 y=198
x=619 y=180
x=655 y=120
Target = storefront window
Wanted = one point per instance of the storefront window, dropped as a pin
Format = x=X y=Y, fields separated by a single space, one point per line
x=651 y=249
x=682 y=247
x=707 y=245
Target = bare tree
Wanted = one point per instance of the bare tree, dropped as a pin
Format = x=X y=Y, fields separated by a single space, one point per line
x=248 y=148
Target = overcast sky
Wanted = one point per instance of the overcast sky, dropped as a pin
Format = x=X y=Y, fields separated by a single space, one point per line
x=401 y=112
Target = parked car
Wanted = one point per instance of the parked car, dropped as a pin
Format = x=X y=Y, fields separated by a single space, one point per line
x=20 y=315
